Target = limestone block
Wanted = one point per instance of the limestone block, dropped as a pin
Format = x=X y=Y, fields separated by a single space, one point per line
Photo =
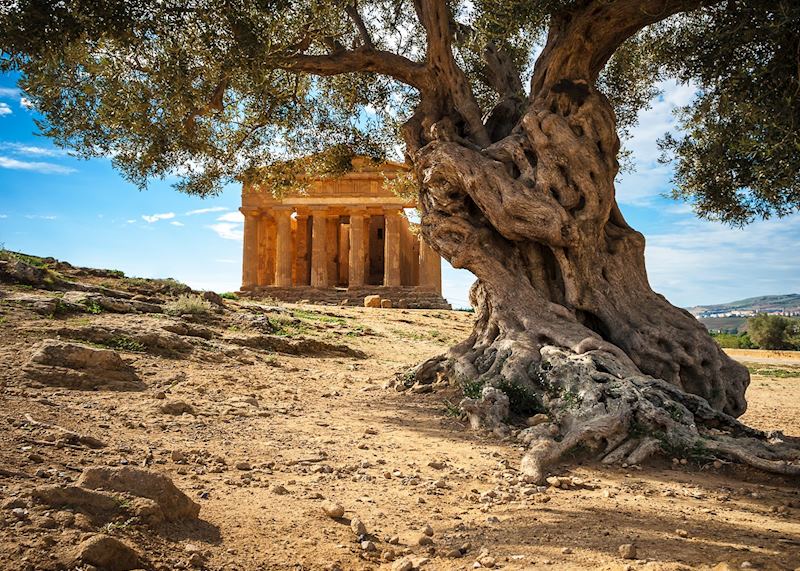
x=372 y=301
x=386 y=303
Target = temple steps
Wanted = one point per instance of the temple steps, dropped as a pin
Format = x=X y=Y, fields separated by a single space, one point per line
x=410 y=297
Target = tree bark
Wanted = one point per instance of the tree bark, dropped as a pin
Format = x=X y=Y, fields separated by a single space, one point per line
x=564 y=309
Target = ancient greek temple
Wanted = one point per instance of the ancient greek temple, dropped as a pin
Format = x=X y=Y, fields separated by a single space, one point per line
x=338 y=241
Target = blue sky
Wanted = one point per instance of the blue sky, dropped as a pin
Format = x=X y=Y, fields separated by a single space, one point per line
x=52 y=204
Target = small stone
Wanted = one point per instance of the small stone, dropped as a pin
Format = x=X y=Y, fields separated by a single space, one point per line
x=403 y=564
x=279 y=490
x=627 y=551
x=107 y=552
x=332 y=509
x=681 y=533
x=19 y=513
x=368 y=546
x=746 y=565
x=358 y=527
x=427 y=530
x=566 y=551
x=424 y=540
x=196 y=560
x=488 y=562
x=394 y=540
x=386 y=303
x=243 y=465
x=454 y=553
x=160 y=395
x=717 y=464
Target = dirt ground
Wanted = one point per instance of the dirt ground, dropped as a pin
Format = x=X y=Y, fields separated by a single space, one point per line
x=273 y=435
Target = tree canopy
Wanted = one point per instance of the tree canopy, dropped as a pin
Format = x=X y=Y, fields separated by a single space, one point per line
x=213 y=89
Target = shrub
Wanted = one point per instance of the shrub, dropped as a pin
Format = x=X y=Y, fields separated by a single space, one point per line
x=188 y=303
x=229 y=295
x=773 y=331
x=732 y=341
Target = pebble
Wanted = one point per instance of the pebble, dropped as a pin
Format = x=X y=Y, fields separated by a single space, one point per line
x=627 y=551
x=332 y=509
x=243 y=465
x=427 y=530
x=681 y=533
x=368 y=546
x=424 y=540
x=279 y=490
x=358 y=527
x=403 y=564
x=566 y=551
x=488 y=562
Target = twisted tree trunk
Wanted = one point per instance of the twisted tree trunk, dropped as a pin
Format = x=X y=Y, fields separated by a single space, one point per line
x=564 y=308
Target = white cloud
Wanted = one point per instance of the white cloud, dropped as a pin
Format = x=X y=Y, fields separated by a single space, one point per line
x=5 y=109
x=156 y=217
x=226 y=261
x=9 y=92
x=40 y=167
x=31 y=150
x=207 y=210
x=231 y=217
x=707 y=262
x=40 y=217
x=130 y=221
x=176 y=223
x=651 y=178
x=3 y=215
x=228 y=231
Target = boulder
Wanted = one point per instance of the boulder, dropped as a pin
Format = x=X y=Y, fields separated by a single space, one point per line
x=386 y=303
x=76 y=366
x=107 y=553
x=174 y=504
x=372 y=301
x=89 y=501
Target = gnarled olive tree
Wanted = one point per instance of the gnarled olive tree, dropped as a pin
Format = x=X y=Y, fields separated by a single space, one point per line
x=516 y=181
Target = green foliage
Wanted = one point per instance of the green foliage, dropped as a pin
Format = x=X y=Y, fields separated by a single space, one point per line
x=188 y=304
x=774 y=331
x=126 y=344
x=740 y=156
x=731 y=341
x=93 y=307
x=214 y=90
x=229 y=295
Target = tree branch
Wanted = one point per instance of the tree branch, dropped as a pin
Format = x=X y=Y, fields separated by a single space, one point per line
x=434 y=16
x=352 y=11
x=580 y=42
x=360 y=59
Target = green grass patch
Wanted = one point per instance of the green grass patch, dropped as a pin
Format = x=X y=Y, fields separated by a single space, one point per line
x=776 y=373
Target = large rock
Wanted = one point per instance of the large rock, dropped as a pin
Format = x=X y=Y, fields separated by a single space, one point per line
x=89 y=501
x=174 y=504
x=372 y=301
x=75 y=366
x=106 y=553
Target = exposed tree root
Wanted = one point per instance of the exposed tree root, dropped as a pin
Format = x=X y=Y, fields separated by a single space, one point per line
x=599 y=406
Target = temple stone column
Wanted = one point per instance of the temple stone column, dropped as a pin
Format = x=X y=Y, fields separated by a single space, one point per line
x=319 y=248
x=265 y=275
x=250 y=248
x=302 y=257
x=430 y=268
x=283 y=248
x=391 y=257
x=357 y=257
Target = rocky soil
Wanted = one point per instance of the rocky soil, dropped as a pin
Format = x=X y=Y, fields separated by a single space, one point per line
x=145 y=430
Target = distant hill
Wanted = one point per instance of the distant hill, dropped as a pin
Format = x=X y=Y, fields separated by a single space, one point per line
x=732 y=316
x=789 y=302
